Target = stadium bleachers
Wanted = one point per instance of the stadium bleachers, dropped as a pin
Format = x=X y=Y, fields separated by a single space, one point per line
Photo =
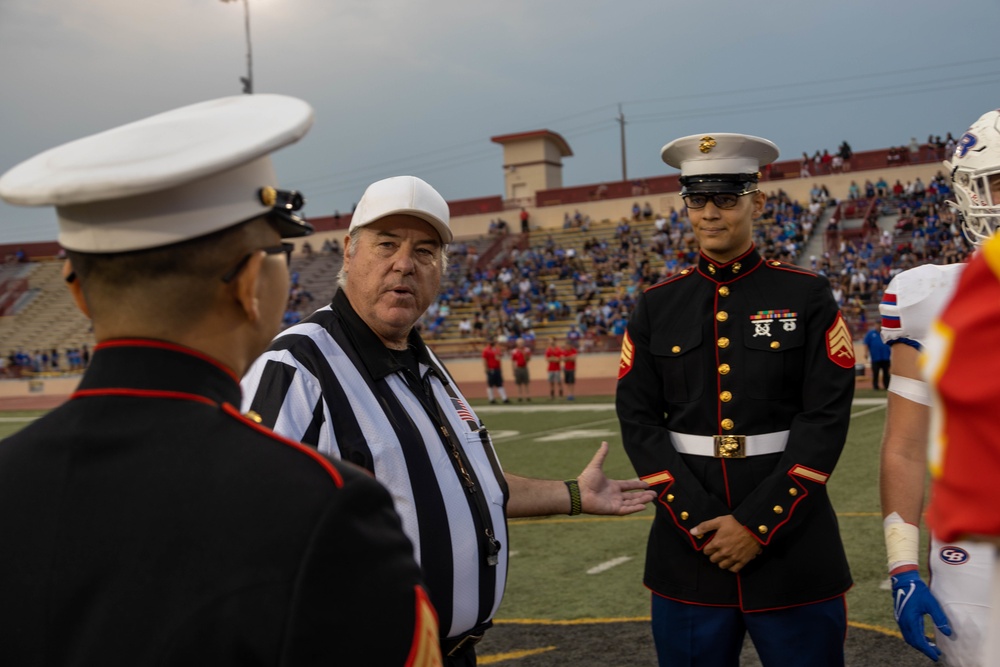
x=46 y=317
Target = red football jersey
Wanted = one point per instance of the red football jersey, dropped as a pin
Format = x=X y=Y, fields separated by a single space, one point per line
x=962 y=363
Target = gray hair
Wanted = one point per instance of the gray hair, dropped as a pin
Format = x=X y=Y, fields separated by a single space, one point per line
x=355 y=233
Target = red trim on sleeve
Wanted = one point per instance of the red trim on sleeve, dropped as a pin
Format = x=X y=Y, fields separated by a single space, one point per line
x=305 y=449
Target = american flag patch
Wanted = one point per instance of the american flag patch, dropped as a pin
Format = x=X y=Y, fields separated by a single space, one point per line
x=462 y=411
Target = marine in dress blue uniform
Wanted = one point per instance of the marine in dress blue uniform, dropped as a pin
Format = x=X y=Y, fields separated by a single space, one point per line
x=147 y=521
x=734 y=395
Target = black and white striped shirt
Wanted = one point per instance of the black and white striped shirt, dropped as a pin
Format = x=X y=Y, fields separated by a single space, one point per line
x=331 y=383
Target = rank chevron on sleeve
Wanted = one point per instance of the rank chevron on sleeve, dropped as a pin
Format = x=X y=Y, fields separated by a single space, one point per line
x=839 y=344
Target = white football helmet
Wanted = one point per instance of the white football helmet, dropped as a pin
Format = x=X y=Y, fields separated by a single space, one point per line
x=976 y=159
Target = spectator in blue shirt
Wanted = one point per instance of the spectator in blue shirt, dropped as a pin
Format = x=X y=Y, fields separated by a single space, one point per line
x=878 y=354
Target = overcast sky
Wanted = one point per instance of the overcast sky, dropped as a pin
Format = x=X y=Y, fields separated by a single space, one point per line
x=420 y=86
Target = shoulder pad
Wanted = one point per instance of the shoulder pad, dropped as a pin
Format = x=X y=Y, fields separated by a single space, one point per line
x=914 y=298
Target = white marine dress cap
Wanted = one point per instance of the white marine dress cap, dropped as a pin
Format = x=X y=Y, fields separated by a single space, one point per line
x=719 y=161
x=403 y=195
x=168 y=178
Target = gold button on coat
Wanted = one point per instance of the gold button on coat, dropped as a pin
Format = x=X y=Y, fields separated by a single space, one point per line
x=684 y=516
x=723 y=291
x=670 y=497
x=722 y=316
x=723 y=342
x=724 y=369
x=675 y=349
x=793 y=492
x=726 y=396
x=778 y=509
x=775 y=345
x=727 y=424
x=761 y=529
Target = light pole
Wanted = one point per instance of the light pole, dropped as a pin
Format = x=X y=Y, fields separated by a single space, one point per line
x=247 y=80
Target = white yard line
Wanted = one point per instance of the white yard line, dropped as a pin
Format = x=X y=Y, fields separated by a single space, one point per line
x=607 y=565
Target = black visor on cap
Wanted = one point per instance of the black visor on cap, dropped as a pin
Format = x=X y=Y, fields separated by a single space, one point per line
x=712 y=183
x=284 y=205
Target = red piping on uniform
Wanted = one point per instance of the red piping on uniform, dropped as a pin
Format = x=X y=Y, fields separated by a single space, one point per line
x=725 y=480
x=309 y=451
x=143 y=393
x=752 y=611
x=792 y=269
x=164 y=345
x=698 y=545
x=673 y=278
x=788 y=515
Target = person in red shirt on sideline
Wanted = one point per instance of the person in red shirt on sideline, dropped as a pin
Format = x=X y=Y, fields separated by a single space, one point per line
x=569 y=368
x=553 y=355
x=494 y=374
x=519 y=357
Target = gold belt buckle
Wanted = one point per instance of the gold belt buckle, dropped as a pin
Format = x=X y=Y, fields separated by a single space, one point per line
x=730 y=446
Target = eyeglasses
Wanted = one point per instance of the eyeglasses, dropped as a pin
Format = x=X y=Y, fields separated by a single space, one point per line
x=286 y=248
x=723 y=200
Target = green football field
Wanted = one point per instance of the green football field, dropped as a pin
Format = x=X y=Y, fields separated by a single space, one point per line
x=566 y=568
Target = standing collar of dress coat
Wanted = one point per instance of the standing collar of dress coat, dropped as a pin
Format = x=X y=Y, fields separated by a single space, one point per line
x=731 y=270
x=142 y=365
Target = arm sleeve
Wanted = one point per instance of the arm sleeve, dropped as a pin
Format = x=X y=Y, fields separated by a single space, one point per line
x=359 y=597
x=288 y=398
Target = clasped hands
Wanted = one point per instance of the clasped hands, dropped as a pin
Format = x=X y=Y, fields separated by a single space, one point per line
x=732 y=546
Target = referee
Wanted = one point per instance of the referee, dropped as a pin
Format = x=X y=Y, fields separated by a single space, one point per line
x=356 y=381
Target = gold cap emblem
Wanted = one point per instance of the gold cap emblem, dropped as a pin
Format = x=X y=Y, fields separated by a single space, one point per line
x=707 y=144
x=268 y=196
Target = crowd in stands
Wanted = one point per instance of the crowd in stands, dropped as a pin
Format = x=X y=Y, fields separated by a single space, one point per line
x=22 y=363
x=925 y=231
x=589 y=287
x=598 y=280
x=601 y=277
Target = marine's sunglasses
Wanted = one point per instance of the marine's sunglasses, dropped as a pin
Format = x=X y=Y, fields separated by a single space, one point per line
x=286 y=248
x=723 y=200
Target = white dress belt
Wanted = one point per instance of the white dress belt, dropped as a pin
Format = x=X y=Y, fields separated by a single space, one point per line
x=706 y=445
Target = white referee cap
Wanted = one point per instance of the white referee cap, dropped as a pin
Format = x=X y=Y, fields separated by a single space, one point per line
x=719 y=161
x=168 y=178
x=403 y=195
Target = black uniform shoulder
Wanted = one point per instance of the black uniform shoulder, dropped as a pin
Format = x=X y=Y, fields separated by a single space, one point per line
x=792 y=270
x=672 y=280
x=295 y=457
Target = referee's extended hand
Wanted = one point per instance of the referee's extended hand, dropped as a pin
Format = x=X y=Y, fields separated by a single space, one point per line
x=600 y=495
